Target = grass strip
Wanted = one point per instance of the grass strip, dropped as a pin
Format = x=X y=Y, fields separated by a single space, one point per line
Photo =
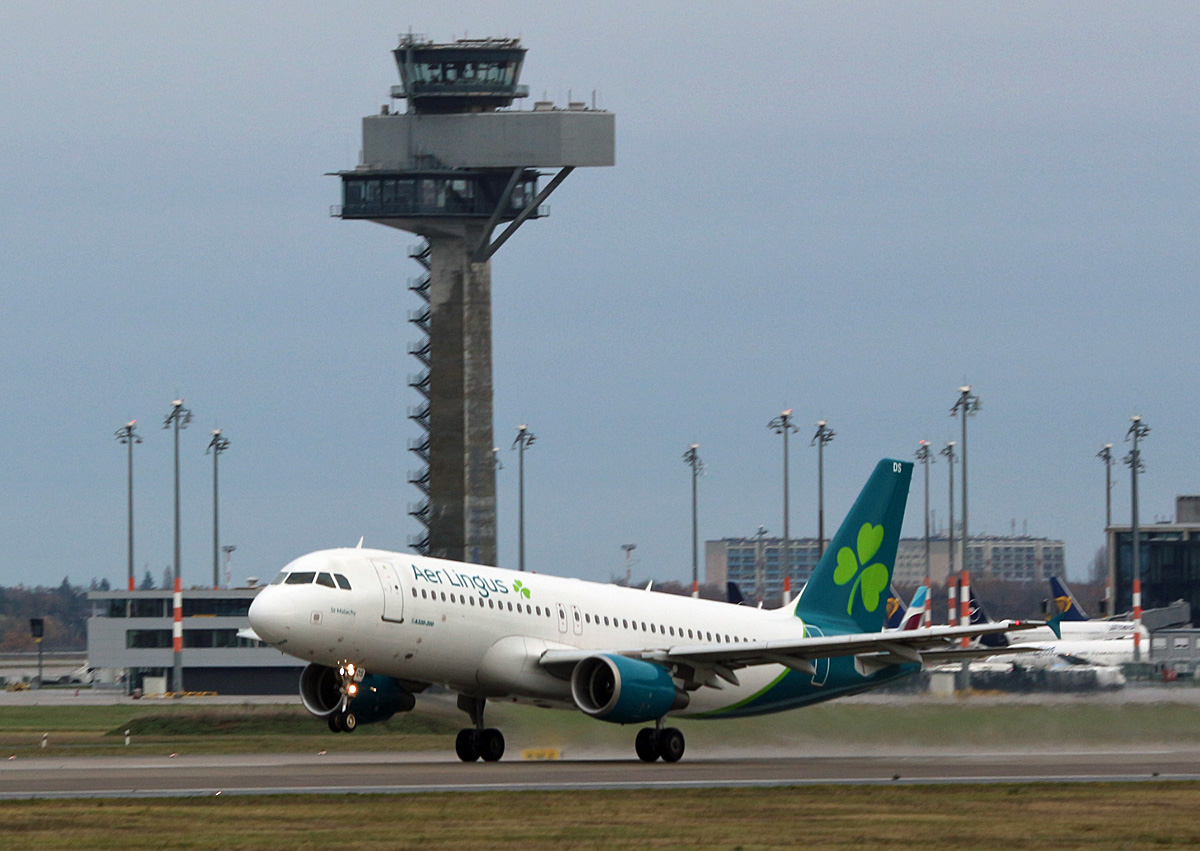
x=1011 y=816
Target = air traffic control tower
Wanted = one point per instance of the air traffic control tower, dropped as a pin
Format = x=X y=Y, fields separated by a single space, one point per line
x=460 y=168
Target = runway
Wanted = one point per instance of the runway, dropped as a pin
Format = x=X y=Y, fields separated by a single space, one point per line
x=390 y=773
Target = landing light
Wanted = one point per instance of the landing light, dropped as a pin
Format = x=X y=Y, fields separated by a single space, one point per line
x=352 y=690
x=350 y=669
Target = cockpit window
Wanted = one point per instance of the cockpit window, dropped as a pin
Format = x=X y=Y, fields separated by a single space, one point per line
x=278 y=580
x=342 y=581
x=326 y=580
x=301 y=578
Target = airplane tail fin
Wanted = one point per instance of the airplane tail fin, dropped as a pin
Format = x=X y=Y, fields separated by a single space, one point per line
x=895 y=609
x=916 y=609
x=847 y=591
x=734 y=594
x=1065 y=601
x=980 y=616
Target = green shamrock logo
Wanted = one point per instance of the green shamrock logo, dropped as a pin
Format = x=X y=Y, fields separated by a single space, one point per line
x=520 y=588
x=873 y=579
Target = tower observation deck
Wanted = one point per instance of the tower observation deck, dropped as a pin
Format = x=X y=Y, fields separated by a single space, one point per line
x=456 y=166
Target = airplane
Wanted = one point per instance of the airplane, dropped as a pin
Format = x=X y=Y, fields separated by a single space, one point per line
x=1065 y=602
x=378 y=627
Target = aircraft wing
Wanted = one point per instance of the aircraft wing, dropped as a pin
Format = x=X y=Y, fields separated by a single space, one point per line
x=702 y=663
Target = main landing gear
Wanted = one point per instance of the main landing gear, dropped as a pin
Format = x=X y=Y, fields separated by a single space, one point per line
x=478 y=742
x=665 y=742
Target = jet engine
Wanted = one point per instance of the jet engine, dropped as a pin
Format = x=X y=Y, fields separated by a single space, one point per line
x=327 y=691
x=623 y=690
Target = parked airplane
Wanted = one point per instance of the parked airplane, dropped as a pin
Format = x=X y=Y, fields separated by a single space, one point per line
x=377 y=627
x=1065 y=602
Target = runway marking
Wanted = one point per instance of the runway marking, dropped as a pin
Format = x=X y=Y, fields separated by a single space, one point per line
x=577 y=786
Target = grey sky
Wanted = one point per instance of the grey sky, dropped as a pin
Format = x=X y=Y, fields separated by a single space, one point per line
x=843 y=208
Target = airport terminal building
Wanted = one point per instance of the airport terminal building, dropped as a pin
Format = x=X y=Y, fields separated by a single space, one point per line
x=129 y=632
x=760 y=562
x=1169 y=559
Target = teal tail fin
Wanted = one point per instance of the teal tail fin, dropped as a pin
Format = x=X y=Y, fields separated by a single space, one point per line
x=847 y=591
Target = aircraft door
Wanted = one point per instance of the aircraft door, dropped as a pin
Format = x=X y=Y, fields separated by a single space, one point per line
x=393 y=591
x=822 y=665
x=562 y=617
x=577 y=620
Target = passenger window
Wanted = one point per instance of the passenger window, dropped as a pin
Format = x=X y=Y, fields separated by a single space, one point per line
x=491 y=603
x=510 y=607
x=539 y=611
x=606 y=620
x=278 y=580
x=472 y=601
x=424 y=596
x=576 y=615
x=672 y=630
x=643 y=626
x=689 y=633
x=342 y=581
x=303 y=578
x=587 y=618
x=709 y=634
x=652 y=627
x=414 y=592
x=625 y=623
x=443 y=596
x=326 y=580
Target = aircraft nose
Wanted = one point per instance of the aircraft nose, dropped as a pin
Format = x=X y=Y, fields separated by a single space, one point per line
x=270 y=616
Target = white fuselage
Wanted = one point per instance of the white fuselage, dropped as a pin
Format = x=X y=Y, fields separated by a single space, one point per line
x=481 y=630
x=1110 y=651
x=1083 y=631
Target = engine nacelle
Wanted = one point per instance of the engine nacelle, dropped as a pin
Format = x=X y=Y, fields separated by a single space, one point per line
x=623 y=690
x=378 y=698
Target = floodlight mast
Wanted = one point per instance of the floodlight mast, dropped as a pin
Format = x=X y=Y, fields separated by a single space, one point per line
x=177 y=419
x=452 y=168
x=692 y=459
x=1137 y=432
x=1105 y=455
x=948 y=453
x=127 y=434
x=925 y=457
x=216 y=446
x=965 y=406
x=782 y=424
x=525 y=439
x=823 y=436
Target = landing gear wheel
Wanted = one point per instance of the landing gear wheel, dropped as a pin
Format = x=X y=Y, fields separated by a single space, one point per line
x=467 y=745
x=645 y=746
x=334 y=726
x=670 y=744
x=491 y=745
x=348 y=721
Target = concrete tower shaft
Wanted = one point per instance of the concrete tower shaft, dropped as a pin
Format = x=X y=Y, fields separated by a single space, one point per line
x=453 y=168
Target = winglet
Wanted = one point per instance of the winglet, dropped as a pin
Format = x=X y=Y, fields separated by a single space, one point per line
x=360 y=542
x=1055 y=624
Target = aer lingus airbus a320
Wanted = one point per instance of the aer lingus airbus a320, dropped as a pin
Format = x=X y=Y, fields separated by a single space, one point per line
x=377 y=627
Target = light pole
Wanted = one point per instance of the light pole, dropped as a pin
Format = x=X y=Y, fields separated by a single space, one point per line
x=177 y=419
x=782 y=424
x=525 y=438
x=948 y=453
x=965 y=406
x=692 y=459
x=1137 y=432
x=925 y=456
x=216 y=446
x=823 y=436
x=1105 y=455
x=127 y=434
x=760 y=582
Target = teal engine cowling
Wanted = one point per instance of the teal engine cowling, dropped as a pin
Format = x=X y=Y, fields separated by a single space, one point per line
x=378 y=698
x=623 y=690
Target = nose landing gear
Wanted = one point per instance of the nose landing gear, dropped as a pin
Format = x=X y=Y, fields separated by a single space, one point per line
x=344 y=720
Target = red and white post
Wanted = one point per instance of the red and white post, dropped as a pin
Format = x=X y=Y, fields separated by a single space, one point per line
x=952 y=600
x=177 y=627
x=1137 y=619
x=927 y=616
x=965 y=603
